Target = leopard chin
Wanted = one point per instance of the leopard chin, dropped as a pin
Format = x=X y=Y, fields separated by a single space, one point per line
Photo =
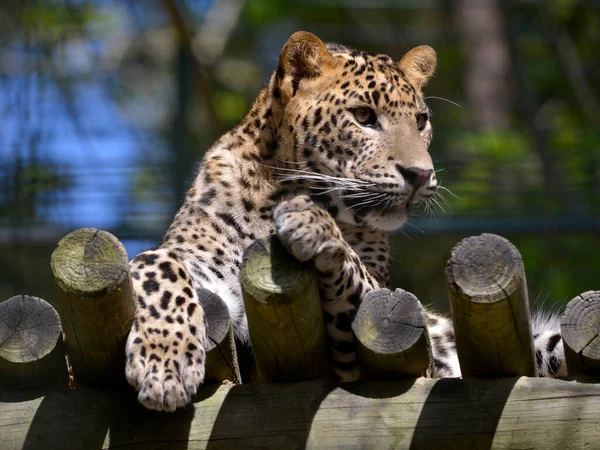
x=389 y=219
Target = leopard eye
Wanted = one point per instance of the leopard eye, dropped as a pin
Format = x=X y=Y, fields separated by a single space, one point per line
x=422 y=119
x=365 y=116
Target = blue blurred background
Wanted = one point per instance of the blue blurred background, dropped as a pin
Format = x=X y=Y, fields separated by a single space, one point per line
x=106 y=107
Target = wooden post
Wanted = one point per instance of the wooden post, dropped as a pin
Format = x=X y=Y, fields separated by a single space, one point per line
x=221 y=357
x=580 y=327
x=284 y=313
x=392 y=335
x=91 y=271
x=32 y=352
x=490 y=308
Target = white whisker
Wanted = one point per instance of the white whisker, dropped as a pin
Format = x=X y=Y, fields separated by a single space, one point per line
x=309 y=172
x=444 y=99
x=291 y=162
x=449 y=191
x=326 y=179
x=405 y=234
x=438 y=204
x=415 y=227
x=371 y=200
x=443 y=199
x=357 y=194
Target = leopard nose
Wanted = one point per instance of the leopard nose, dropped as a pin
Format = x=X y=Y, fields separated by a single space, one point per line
x=415 y=175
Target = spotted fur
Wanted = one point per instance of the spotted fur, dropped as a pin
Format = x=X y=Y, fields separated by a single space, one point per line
x=331 y=156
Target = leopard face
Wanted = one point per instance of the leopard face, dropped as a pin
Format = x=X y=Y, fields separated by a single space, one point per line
x=354 y=128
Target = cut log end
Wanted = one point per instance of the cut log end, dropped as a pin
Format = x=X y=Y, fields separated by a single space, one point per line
x=221 y=357
x=580 y=327
x=89 y=261
x=31 y=347
x=268 y=270
x=29 y=329
x=485 y=268
x=391 y=334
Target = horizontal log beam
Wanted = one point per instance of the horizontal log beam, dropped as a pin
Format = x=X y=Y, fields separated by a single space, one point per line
x=421 y=413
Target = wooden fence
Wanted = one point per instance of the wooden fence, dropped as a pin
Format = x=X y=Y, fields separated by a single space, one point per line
x=47 y=401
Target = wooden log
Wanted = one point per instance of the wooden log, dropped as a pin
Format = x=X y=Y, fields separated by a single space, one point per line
x=391 y=335
x=96 y=303
x=490 y=308
x=580 y=328
x=284 y=314
x=475 y=414
x=32 y=352
x=221 y=357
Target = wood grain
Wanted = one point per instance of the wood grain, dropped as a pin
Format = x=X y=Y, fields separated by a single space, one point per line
x=32 y=352
x=284 y=313
x=580 y=327
x=391 y=334
x=96 y=303
x=498 y=414
x=488 y=296
x=221 y=355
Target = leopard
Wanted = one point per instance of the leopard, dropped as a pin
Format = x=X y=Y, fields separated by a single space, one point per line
x=331 y=158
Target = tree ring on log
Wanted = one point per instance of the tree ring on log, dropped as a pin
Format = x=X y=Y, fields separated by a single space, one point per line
x=29 y=329
x=391 y=334
x=485 y=268
x=89 y=261
x=580 y=326
x=290 y=278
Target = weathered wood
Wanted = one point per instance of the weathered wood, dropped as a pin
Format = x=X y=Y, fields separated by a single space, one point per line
x=221 y=357
x=284 y=314
x=498 y=414
x=490 y=308
x=32 y=353
x=392 y=335
x=96 y=305
x=580 y=328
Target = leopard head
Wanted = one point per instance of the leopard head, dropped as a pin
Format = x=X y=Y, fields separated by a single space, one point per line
x=353 y=127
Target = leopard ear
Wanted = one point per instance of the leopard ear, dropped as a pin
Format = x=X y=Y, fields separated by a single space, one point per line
x=303 y=56
x=418 y=65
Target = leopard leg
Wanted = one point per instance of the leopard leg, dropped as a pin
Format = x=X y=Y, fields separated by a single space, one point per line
x=310 y=233
x=166 y=345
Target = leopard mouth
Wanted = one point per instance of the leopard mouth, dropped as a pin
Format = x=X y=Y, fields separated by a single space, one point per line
x=382 y=202
x=398 y=208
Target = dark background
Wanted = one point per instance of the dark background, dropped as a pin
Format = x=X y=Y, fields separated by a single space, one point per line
x=106 y=106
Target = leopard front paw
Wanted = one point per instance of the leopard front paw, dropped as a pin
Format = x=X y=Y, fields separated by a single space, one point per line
x=165 y=370
x=310 y=233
